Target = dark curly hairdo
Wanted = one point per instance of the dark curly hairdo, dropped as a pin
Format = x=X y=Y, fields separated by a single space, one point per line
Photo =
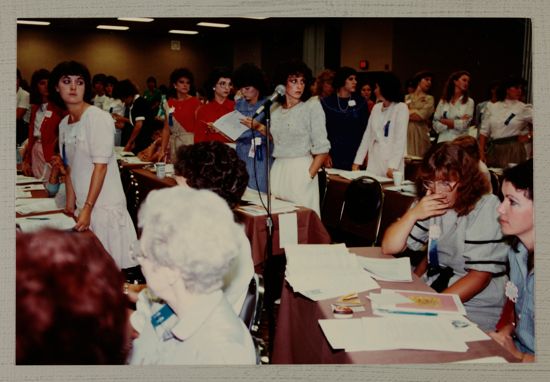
x=508 y=83
x=294 y=68
x=390 y=87
x=449 y=87
x=214 y=166
x=70 y=308
x=342 y=75
x=521 y=176
x=100 y=77
x=69 y=68
x=448 y=161
x=37 y=76
x=111 y=80
x=419 y=76
x=176 y=75
x=124 y=89
x=212 y=80
x=250 y=75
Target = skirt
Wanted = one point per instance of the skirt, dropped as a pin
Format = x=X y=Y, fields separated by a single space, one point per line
x=290 y=180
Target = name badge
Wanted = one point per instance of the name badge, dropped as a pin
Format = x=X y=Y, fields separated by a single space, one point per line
x=48 y=114
x=351 y=102
x=255 y=142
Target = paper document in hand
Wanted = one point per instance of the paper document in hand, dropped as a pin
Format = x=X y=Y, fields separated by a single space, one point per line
x=397 y=269
x=423 y=302
x=33 y=223
x=29 y=206
x=230 y=125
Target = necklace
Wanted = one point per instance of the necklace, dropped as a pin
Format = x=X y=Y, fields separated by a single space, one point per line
x=340 y=107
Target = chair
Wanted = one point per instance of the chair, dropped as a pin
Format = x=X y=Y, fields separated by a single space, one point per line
x=251 y=313
x=323 y=184
x=361 y=212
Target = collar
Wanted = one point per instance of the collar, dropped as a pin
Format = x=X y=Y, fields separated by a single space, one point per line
x=199 y=308
x=520 y=258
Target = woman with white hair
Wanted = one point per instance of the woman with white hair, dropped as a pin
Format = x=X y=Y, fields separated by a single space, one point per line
x=184 y=262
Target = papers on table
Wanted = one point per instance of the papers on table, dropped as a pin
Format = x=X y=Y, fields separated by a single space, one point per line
x=33 y=223
x=408 y=302
x=230 y=125
x=23 y=194
x=288 y=229
x=494 y=359
x=30 y=187
x=407 y=188
x=393 y=332
x=356 y=174
x=134 y=160
x=34 y=205
x=322 y=271
x=256 y=208
x=398 y=269
x=22 y=179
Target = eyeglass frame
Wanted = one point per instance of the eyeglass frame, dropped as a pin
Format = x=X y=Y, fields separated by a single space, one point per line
x=445 y=184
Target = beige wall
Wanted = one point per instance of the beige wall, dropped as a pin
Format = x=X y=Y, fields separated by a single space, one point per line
x=117 y=53
x=370 y=40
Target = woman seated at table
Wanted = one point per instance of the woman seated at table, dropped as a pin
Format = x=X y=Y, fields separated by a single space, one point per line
x=70 y=306
x=215 y=166
x=185 y=249
x=457 y=217
x=516 y=220
x=218 y=88
x=384 y=143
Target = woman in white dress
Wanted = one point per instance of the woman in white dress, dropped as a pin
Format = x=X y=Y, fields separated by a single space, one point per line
x=385 y=140
x=299 y=137
x=455 y=110
x=94 y=190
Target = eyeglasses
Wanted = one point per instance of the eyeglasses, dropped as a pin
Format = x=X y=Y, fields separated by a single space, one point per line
x=444 y=185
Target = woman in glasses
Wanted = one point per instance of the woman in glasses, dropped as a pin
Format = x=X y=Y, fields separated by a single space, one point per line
x=217 y=87
x=456 y=217
x=516 y=220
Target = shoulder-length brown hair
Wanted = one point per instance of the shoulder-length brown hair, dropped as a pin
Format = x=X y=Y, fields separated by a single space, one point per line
x=450 y=161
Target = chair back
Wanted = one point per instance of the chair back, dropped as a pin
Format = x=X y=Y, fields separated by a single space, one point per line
x=252 y=304
x=323 y=183
x=362 y=212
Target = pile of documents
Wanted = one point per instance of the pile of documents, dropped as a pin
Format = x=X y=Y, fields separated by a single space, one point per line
x=34 y=223
x=323 y=271
x=395 y=269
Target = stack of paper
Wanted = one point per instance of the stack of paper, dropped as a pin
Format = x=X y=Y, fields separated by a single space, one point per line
x=393 y=332
x=35 y=205
x=407 y=188
x=410 y=302
x=398 y=269
x=33 y=223
x=323 y=271
x=356 y=174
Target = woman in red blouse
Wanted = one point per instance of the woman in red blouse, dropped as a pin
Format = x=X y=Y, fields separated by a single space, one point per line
x=218 y=87
x=179 y=126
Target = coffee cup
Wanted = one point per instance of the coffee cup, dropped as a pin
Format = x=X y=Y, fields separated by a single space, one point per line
x=397 y=178
x=160 y=168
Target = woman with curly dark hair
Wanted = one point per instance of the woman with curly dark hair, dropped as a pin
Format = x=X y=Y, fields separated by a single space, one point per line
x=70 y=306
x=214 y=166
x=456 y=217
x=299 y=137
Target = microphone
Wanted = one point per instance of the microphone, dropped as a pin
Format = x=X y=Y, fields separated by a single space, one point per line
x=279 y=92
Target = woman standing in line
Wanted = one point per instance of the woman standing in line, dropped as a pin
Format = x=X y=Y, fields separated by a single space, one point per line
x=87 y=147
x=385 y=141
x=346 y=119
x=421 y=108
x=179 y=126
x=43 y=127
x=300 y=138
x=217 y=87
x=516 y=219
x=455 y=110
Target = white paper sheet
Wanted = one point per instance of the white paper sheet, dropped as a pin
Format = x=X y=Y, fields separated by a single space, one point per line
x=288 y=229
x=357 y=174
x=494 y=359
x=22 y=194
x=29 y=206
x=33 y=223
x=134 y=160
x=30 y=187
x=230 y=125
x=22 y=179
x=398 y=269
x=408 y=189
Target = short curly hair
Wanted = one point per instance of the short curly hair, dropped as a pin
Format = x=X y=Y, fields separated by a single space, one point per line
x=250 y=75
x=70 y=306
x=449 y=161
x=176 y=75
x=213 y=79
x=390 y=87
x=192 y=231
x=39 y=75
x=214 y=166
x=342 y=75
x=69 y=68
x=295 y=68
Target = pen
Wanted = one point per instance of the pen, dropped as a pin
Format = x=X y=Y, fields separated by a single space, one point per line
x=37 y=218
x=405 y=312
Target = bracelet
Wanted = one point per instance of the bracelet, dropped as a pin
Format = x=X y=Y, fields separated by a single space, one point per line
x=87 y=203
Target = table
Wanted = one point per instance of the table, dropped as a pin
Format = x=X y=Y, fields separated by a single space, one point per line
x=300 y=340
x=310 y=228
x=395 y=204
